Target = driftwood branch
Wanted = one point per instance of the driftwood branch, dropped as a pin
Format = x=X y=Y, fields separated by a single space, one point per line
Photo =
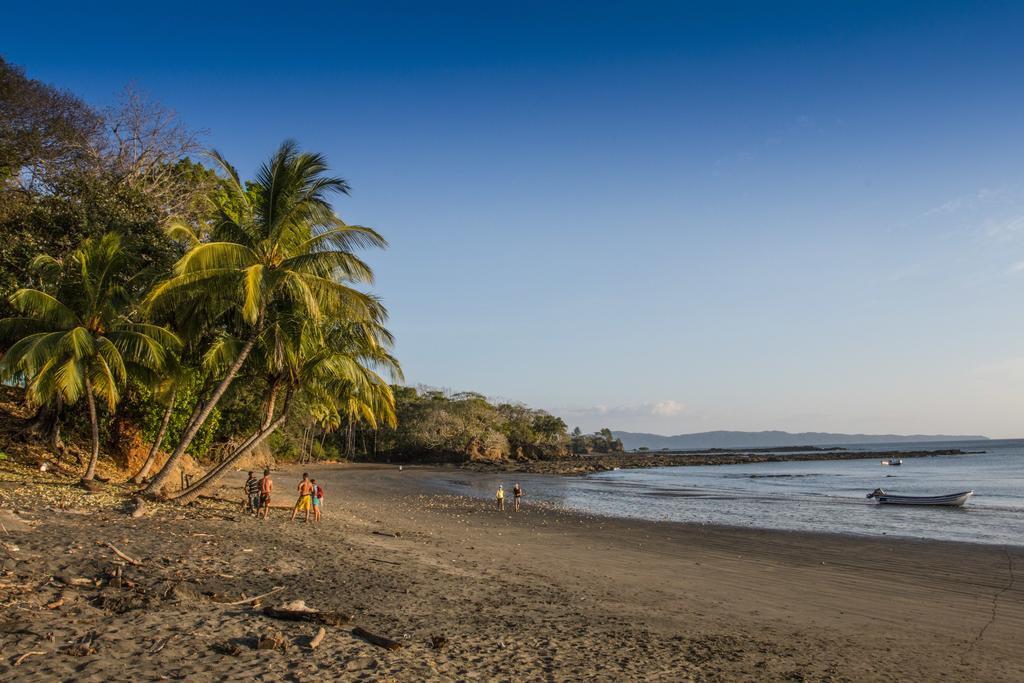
x=312 y=616
x=126 y=558
x=25 y=656
x=248 y=600
x=318 y=638
x=379 y=641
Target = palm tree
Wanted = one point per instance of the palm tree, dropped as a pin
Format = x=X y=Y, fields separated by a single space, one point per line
x=312 y=360
x=78 y=340
x=275 y=248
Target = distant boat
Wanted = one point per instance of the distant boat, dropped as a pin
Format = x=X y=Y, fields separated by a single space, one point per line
x=892 y=461
x=949 y=500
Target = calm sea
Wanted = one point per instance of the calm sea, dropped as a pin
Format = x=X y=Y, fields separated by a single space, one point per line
x=806 y=496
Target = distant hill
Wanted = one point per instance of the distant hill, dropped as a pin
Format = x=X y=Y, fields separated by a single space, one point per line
x=772 y=439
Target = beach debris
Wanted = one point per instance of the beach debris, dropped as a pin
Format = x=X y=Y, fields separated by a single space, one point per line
x=373 y=639
x=56 y=603
x=77 y=581
x=127 y=558
x=245 y=601
x=438 y=642
x=314 y=643
x=25 y=656
x=85 y=646
x=389 y=534
x=271 y=640
x=306 y=614
x=163 y=643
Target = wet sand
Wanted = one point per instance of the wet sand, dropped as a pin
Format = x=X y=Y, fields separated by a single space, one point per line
x=543 y=594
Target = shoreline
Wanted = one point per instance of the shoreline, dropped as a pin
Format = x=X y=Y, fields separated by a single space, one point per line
x=429 y=471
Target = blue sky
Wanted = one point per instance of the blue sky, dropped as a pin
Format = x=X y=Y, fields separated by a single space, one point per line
x=657 y=217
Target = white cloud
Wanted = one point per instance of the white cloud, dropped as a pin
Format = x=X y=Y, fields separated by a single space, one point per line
x=1005 y=229
x=1017 y=267
x=667 y=408
x=974 y=200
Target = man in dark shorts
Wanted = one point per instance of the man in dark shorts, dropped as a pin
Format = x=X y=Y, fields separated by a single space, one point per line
x=517 y=494
x=266 y=486
x=252 y=494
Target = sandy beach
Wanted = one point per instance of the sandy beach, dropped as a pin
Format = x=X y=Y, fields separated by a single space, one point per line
x=544 y=594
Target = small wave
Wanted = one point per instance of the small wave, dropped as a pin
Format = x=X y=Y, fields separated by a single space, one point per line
x=779 y=476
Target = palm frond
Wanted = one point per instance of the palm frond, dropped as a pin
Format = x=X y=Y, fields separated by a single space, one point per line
x=33 y=303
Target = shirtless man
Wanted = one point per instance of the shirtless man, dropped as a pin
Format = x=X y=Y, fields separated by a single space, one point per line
x=305 y=501
x=266 y=486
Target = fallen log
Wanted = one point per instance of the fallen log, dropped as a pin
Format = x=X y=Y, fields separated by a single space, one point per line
x=388 y=534
x=311 y=616
x=373 y=639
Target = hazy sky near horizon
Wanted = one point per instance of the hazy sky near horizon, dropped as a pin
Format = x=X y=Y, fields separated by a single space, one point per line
x=658 y=217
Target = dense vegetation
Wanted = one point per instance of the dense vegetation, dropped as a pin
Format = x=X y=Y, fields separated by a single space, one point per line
x=148 y=296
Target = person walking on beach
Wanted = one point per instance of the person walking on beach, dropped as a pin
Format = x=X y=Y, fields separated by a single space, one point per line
x=266 y=486
x=252 y=494
x=318 y=500
x=305 y=497
x=500 y=497
x=517 y=494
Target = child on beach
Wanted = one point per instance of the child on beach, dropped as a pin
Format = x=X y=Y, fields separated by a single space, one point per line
x=500 y=496
x=266 y=486
x=318 y=500
x=252 y=494
x=305 y=497
x=517 y=493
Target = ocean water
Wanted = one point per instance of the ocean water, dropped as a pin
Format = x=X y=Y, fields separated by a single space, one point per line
x=824 y=496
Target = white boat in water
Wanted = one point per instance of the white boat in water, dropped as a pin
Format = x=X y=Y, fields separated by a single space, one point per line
x=892 y=461
x=949 y=500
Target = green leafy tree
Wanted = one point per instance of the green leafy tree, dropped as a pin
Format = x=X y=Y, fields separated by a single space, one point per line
x=78 y=340
x=275 y=250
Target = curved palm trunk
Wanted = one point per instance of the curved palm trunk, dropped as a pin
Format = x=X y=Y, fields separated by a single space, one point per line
x=151 y=458
x=90 y=471
x=208 y=480
x=186 y=440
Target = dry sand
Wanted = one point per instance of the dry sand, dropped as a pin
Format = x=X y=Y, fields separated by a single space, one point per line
x=543 y=595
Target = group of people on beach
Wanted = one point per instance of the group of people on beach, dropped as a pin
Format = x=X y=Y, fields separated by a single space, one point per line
x=258 y=491
x=517 y=495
